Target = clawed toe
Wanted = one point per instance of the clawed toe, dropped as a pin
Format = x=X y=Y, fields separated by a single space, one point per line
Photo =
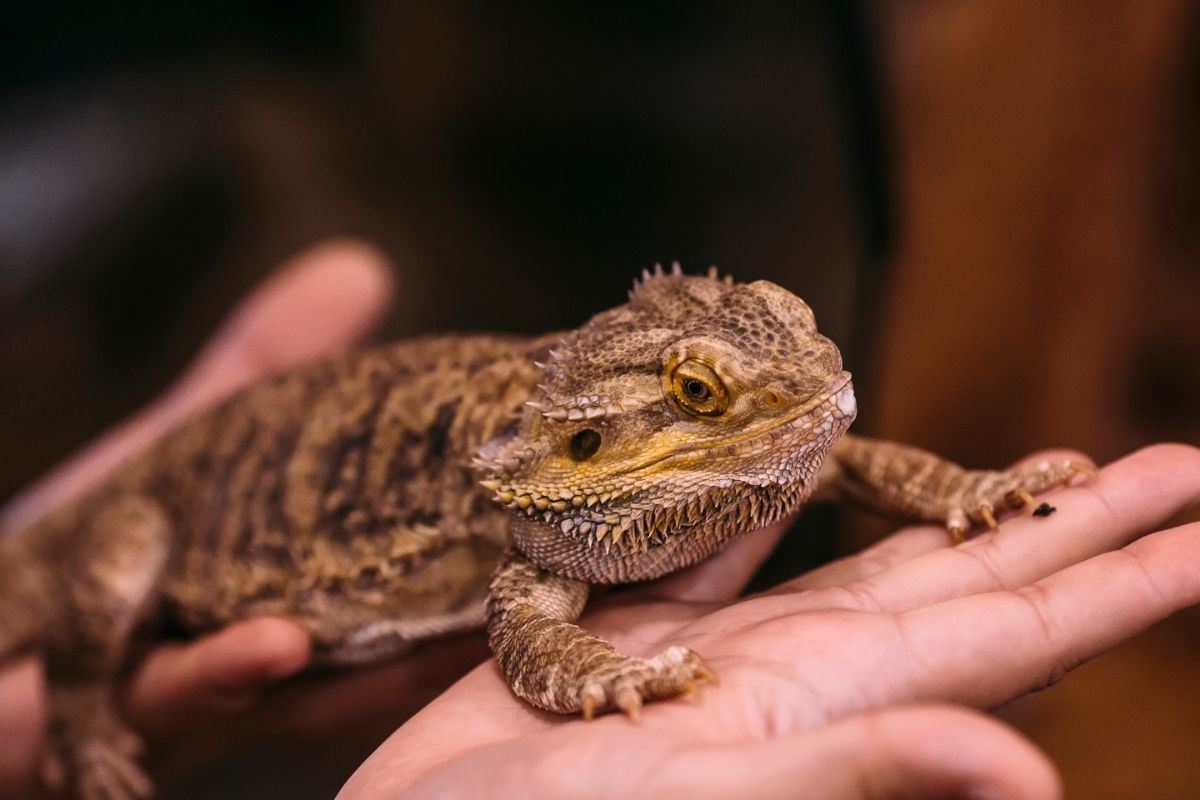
x=112 y=777
x=101 y=771
x=675 y=672
x=101 y=766
x=630 y=702
x=1013 y=489
x=703 y=673
x=957 y=525
x=1020 y=497
x=989 y=517
x=591 y=698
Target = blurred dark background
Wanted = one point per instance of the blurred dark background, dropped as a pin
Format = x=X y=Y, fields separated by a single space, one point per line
x=991 y=207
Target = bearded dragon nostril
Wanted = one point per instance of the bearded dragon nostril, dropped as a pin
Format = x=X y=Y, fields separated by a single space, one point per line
x=773 y=399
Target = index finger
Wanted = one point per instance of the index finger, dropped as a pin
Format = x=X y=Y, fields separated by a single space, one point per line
x=1127 y=498
x=987 y=649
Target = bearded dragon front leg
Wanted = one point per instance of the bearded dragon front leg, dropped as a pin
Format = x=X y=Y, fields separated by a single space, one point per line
x=907 y=481
x=557 y=665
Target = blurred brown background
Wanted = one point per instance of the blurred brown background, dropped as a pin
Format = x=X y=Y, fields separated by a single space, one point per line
x=991 y=206
x=1044 y=289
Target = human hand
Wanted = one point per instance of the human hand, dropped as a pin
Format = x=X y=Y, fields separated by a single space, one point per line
x=827 y=681
x=196 y=698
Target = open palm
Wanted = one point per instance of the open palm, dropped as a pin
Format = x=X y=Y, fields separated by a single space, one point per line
x=810 y=667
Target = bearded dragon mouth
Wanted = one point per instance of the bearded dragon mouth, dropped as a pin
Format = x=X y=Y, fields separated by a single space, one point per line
x=838 y=394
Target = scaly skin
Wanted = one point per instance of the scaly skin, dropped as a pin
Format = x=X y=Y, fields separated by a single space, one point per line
x=347 y=495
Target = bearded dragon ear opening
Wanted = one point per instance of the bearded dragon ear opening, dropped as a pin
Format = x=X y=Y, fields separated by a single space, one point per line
x=584 y=444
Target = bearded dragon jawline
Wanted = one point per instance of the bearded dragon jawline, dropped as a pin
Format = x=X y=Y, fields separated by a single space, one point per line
x=447 y=483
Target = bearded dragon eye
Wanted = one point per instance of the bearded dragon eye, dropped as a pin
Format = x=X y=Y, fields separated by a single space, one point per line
x=584 y=444
x=698 y=389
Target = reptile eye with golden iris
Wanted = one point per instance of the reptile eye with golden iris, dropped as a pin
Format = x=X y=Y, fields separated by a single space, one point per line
x=698 y=388
x=584 y=444
x=695 y=390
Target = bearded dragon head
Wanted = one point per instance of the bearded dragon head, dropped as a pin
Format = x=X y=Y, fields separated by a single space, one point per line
x=699 y=410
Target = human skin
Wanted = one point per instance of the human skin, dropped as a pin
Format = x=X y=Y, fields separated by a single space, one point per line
x=829 y=683
x=194 y=700
x=852 y=652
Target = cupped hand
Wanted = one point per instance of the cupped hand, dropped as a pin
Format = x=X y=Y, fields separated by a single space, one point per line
x=831 y=683
x=194 y=699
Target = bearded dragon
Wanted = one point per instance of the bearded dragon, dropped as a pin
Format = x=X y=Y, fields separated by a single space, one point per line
x=458 y=482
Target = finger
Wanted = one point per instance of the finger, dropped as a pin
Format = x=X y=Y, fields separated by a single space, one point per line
x=318 y=304
x=721 y=577
x=22 y=721
x=188 y=687
x=925 y=752
x=904 y=545
x=376 y=698
x=1125 y=499
x=987 y=649
x=900 y=547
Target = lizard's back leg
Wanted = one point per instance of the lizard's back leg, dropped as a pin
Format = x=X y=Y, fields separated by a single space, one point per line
x=22 y=597
x=110 y=578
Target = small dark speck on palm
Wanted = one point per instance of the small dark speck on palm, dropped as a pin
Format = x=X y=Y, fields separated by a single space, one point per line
x=1044 y=510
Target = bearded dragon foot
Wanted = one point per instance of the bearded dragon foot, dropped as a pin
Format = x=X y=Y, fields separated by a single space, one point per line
x=910 y=482
x=625 y=684
x=984 y=492
x=557 y=665
x=99 y=765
